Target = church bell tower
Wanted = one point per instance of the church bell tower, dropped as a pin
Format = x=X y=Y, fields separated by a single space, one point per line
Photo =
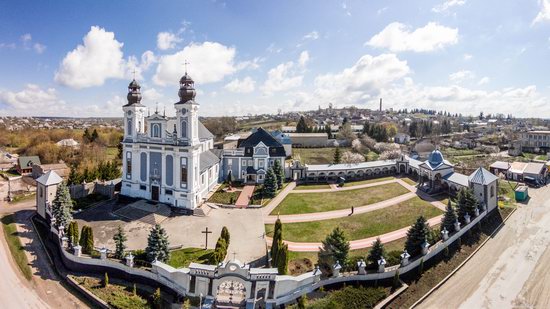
x=187 y=112
x=134 y=113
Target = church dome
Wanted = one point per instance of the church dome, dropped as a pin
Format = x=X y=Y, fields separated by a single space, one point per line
x=435 y=158
x=187 y=90
x=134 y=93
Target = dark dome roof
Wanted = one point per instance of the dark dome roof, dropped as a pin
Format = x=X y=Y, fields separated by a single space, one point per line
x=134 y=93
x=187 y=90
x=134 y=84
x=435 y=158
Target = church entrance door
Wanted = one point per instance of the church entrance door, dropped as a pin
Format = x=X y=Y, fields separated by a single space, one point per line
x=155 y=193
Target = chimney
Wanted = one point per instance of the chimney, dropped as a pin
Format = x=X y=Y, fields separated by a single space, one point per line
x=380 y=104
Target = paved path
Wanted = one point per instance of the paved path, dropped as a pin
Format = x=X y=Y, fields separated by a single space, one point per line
x=354 y=244
x=510 y=271
x=244 y=197
x=317 y=216
x=279 y=198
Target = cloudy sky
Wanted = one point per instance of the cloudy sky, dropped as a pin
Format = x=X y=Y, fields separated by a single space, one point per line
x=76 y=58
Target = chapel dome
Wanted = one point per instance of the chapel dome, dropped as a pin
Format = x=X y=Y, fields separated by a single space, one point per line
x=435 y=158
x=187 y=89
x=134 y=93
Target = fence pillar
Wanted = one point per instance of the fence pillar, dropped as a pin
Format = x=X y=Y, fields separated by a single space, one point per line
x=336 y=269
x=405 y=258
x=467 y=218
x=64 y=241
x=457 y=226
x=444 y=234
x=425 y=245
x=130 y=260
x=361 y=267
x=476 y=212
x=381 y=265
x=103 y=253
x=77 y=250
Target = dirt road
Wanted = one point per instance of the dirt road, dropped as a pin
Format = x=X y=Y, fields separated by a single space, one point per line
x=511 y=269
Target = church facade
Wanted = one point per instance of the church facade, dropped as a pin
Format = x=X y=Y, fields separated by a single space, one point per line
x=167 y=159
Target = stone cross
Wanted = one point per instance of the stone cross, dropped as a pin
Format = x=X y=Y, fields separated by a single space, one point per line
x=185 y=63
x=206 y=232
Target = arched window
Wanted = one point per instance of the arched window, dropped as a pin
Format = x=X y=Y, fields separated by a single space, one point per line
x=139 y=127
x=184 y=128
x=492 y=191
x=155 y=130
x=129 y=132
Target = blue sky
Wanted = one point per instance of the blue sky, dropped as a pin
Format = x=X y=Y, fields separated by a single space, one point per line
x=76 y=58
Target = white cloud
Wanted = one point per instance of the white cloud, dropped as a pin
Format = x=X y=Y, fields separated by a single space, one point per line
x=151 y=95
x=39 y=48
x=313 y=35
x=398 y=37
x=245 y=85
x=32 y=100
x=282 y=77
x=209 y=62
x=253 y=64
x=360 y=82
x=90 y=64
x=304 y=58
x=167 y=40
x=467 y=57
x=445 y=6
x=382 y=10
x=484 y=80
x=461 y=76
x=26 y=38
x=544 y=13
x=147 y=59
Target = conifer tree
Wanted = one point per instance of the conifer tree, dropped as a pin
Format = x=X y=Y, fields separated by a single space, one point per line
x=417 y=234
x=376 y=252
x=120 y=242
x=62 y=206
x=94 y=136
x=337 y=156
x=220 y=252
x=277 y=239
x=88 y=246
x=335 y=248
x=449 y=219
x=282 y=259
x=106 y=280
x=280 y=173
x=467 y=203
x=302 y=127
x=157 y=299
x=86 y=137
x=157 y=245
x=270 y=183
x=72 y=233
x=225 y=235
x=83 y=236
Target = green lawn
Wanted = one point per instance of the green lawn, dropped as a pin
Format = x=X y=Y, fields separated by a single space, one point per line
x=316 y=155
x=361 y=226
x=507 y=189
x=409 y=181
x=23 y=197
x=118 y=296
x=222 y=197
x=183 y=257
x=16 y=248
x=362 y=182
x=312 y=186
x=297 y=203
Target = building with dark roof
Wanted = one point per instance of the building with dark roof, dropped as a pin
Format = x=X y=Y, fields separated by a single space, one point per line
x=253 y=157
x=168 y=159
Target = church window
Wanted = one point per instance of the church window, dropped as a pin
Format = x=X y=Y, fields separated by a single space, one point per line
x=183 y=172
x=492 y=191
x=139 y=127
x=250 y=163
x=168 y=192
x=261 y=163
x=202 y=179
x=184 y=128
x=128 y=165
x=155 y=130
x=129 y=132
x=210 y=173
x=40 y=191
x=142 y=187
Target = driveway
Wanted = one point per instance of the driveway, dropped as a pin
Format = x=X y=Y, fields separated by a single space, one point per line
x=511 y=269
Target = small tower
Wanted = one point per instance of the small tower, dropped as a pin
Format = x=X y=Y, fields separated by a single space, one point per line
x=134 y=113
x=187 y=112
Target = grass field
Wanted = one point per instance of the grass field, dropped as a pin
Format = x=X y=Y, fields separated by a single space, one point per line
x=222 y=197
x=312 y=186
x=409 y=181
x=316 y=155
x=367 y=181
x=182 y=257
x=297 y=203
x=23 y=197
x=360 y=226
x=16 y=248
x=118 y=296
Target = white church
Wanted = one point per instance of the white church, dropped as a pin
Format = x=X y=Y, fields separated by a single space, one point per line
x=167 y=159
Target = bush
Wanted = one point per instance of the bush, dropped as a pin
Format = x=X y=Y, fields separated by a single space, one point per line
x=351 y=298
x=393 y=258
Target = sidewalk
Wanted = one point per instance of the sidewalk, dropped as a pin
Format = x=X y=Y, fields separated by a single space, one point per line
x=244 y=197
x=335 y=188
x=279 y=198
